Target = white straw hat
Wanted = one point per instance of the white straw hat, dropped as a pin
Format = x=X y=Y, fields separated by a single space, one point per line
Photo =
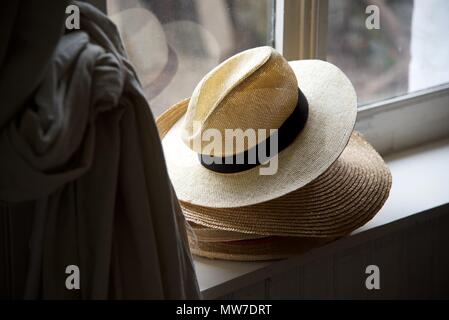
x=250 y=97
x=323 y=188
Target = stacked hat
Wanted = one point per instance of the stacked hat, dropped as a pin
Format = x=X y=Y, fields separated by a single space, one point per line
x=300 y=176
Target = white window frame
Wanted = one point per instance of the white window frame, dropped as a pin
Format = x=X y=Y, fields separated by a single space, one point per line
x=390 y=125
x=301 y=28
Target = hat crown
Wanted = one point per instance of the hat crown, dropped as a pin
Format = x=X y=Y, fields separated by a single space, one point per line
x=255 y=89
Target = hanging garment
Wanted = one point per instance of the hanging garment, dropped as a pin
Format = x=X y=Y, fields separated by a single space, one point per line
x=81 y=168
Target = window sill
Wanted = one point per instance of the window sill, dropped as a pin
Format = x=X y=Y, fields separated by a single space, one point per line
x=420 y=183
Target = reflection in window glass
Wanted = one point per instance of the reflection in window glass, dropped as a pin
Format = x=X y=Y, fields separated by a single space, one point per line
x=174 y=43
x=409 y=52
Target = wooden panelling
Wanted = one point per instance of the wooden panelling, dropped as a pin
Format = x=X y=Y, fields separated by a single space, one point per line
x=349 y=272
x=388 y=254
x=226 y=297
x=440 y=274
x=412 y=256
x=318 y=279
x=255 y=291
x=418 y=255
x=286 y=285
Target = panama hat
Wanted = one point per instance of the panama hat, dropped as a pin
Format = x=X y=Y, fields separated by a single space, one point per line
x=323 y=188
x=259 y=88
x=343 y=198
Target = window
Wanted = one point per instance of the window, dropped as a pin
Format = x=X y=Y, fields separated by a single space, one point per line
x=174 y=43
x=400 y=71
x=408 y=53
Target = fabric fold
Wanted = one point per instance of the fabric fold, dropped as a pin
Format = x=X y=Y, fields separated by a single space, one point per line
x=85 y=149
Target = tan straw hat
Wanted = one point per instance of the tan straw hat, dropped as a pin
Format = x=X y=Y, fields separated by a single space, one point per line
x=343 y=198
x=323 y=187
x=270 y=248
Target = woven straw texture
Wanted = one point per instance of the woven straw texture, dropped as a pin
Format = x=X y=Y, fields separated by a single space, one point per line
x=345 y=197
x=329 y=182
x=271 y=248
x=332 y=114
x=206 y=234
x=256 y=81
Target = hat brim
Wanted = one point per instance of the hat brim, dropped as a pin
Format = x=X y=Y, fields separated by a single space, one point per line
x=332 y=114
x=343 y=198
x=271 y=248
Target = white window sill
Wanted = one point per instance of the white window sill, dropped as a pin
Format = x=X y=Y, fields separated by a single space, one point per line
x=420 y=182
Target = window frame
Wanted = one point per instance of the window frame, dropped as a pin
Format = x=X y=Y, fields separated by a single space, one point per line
x=301 y=28
x=391 y=125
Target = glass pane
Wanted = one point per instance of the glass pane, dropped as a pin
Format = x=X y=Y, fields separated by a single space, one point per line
x=174 y=43
x=409 y=52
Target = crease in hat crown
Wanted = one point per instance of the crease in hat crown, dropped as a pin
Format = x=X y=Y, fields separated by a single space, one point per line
x=255 y=89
